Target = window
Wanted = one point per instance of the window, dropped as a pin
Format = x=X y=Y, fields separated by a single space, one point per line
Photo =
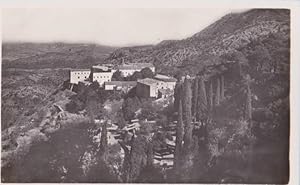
x=78 y=77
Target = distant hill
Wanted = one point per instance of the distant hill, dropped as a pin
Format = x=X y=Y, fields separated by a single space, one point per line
x=53 y=55
x=232 y=33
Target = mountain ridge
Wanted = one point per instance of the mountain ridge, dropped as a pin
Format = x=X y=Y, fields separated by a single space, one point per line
x=227 y=35
x=52 y=55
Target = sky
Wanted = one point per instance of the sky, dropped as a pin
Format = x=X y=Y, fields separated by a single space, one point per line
x=114 y=27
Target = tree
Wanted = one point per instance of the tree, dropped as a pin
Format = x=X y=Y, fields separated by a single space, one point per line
x=177 y=94
x=129 y=107
x=135 y=76
x=202 y=100
x=217 y=96
x=248 y=111
x=126 y=163
x=138 y=157
x=195 y=97
x=222 y=88
x=121 y=122
x=260 y=57
x=92 y=104
x=241 y=60
x=147 y=73
x=179 y=139
x=148 y=111
x=210 y=95
x=103 y=142
x=117 y=76
x=187 y=156
x=186 y=109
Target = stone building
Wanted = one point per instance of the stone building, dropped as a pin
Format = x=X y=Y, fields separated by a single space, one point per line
x=160 y=86
x=129 y=69
x=147 y=88
x=78 y=75
x=167 y=82
x=124 y=86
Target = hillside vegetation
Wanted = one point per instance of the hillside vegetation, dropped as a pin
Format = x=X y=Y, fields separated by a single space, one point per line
x=52 y=55
x=232 y=116
x=232 y=33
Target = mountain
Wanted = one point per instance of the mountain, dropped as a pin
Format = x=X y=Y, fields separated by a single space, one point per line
x=232 y=33
x=53 y=55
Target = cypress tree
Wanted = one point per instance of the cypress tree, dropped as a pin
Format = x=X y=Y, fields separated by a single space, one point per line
x=195 y=97
x=217 y=96
x=202 y=100
x=248 y=112
x=187 y=113
x=149 y=153
x=177 y=94
x=222 y=88
x=211 y=103
x=179 y=139
x=187 y=156
x=103 y=141
x=126 y=163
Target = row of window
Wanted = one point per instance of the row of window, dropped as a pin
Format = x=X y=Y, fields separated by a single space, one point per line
x=82 y=73
x=84 y=77
x=101 y=76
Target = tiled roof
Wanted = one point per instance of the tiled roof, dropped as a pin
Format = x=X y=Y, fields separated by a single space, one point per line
x=80 y=70
x=134 y=66
x=121 y=83
x=165 y=78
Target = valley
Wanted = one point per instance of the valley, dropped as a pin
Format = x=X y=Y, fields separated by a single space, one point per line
x=227 y=118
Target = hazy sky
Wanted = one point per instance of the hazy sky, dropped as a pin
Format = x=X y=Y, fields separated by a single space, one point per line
x=117 y=27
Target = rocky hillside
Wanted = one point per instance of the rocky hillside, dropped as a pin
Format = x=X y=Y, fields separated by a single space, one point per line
x=31 y=71
x=52 y=55
x=228 y=35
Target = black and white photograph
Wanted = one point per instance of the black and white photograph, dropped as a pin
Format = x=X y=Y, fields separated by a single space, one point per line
x=145 y=95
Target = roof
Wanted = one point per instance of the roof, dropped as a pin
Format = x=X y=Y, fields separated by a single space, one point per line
x=165 y=78
x=134 y=66
x=148 y=81
x=80 y=70
x=121 y=83
x=104 y=68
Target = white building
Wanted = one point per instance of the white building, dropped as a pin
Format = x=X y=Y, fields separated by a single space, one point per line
x=149 y=87
x=129 y=69
x=167 y=82
x=104 y=73
x=101 y=77
x=124 y=86
x=78 y=75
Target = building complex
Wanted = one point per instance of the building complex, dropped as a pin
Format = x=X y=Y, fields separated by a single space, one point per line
x=160 y=86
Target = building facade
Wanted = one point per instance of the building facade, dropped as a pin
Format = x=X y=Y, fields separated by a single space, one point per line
x=129 y=69
x=124 y=86
x=101 y=77
x=78 y=75
x=147 y=87
x=160 y=86
x=167 y=82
